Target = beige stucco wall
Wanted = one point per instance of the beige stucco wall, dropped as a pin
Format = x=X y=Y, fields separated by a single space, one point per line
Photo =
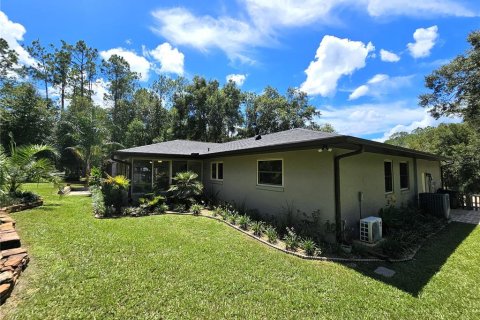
x=308 y=183
x=365 y=173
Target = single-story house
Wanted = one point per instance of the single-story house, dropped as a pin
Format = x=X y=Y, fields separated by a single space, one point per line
x=343 y=178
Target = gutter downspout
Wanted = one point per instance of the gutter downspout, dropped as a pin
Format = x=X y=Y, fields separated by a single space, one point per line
x=130 y=170
x=338 y=209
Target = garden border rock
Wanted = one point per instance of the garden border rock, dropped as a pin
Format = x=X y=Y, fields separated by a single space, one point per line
x=409 y=257
x=21 y=206
x=13 y=258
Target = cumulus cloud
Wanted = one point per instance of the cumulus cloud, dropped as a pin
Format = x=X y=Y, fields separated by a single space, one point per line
x=171 y=59
x=232 y=36
x=389 y=56
x=263 y=21
x=13 y=33
x=239 y=79
x=137 y=63
x=380 y=85
x=100 y=88
x=335 y=58
x=425 y=39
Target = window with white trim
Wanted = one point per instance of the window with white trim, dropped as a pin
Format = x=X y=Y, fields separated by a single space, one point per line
x=216 y=170
x=270 y=172
x=388 y=172
x=404 y=179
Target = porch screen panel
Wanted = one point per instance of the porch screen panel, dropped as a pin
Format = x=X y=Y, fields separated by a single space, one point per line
x=142 y=176
x=161 y=175
x=195 y=166
x=179 y=166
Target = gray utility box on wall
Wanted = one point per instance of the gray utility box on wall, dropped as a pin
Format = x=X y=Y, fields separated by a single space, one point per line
x=436 y=204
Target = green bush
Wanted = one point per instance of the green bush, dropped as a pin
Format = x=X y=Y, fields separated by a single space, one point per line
x=309 y=246
x=232 y=218
x=258 y=227
x=217 y=211
x=95 y=178
x=150 y=202
x=160 y=209
x=196 y=209
x=392 y=248
x=113 y=191
x=244 y=222
x=98 y=202
x=186 y=188
x=180 y=207
x=292 y=240
x=271 y=234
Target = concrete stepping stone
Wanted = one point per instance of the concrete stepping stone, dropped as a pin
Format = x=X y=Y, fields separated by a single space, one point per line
x=388 y=273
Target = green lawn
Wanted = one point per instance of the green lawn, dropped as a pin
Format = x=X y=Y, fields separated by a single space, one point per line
x=176 y=267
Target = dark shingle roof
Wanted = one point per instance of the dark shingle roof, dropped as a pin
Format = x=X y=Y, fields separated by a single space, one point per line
x=186 y=147
x=289 y=139
x=174 y=147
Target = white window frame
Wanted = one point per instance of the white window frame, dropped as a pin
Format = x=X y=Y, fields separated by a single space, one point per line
x=216 y=163
x=283 y=174
x=400 y=175
x=393 y=177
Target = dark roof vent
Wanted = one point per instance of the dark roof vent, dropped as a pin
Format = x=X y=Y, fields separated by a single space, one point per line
x=194 y=154
x=258 y=137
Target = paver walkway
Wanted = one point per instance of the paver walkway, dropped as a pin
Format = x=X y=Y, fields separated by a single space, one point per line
x=465 y=216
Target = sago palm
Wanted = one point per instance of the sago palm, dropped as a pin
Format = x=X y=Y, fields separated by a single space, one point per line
x=186 y=187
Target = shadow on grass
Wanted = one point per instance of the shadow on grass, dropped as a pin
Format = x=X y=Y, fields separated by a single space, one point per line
x=413 y=275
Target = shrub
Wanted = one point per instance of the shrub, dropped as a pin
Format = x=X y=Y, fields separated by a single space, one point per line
x=257 y=227
x=244 y=222
x=135 y=211
x=292 y=240
x=271 y=234
x=160 y=209
x=113 y=188
x=392 y=248
x=98 y=202
x=196 y=209
x=186 y=188
x=232 y=218
x=179 y=207
x=95 y=178
x=150 y=202
x=309 y=246
x=217 y=211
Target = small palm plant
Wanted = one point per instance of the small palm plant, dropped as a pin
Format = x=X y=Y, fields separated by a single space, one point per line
x=196 y=209
x=244 y=222
x=26 y=163
x=186 y=188
x=292 y=240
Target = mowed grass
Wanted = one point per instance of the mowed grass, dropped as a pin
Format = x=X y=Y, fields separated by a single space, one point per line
x=179 y=267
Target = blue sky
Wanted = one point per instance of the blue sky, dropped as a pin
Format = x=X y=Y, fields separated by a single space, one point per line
x=361 y=61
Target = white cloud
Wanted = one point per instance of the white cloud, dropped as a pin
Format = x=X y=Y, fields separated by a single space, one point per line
x=100 y=88
x=13 y=33
x=171 y=59
x=380 y=85
x=377 y=8
x=234 y=37
x=137 y=63
x=424 y=41
x=388 y=56
x=239 y=79
x=335 y=58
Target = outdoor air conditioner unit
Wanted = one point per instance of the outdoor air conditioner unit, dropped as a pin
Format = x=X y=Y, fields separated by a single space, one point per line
x=371 y=229
x=436 y=204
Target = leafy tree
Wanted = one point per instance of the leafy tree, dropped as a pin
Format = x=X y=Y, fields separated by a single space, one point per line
x=83 y=71
x=25 y=115
x=459 y=143
x=8 y=62
x=62 y=60
x=455 y=87
x=137 y=134
x=42 y=69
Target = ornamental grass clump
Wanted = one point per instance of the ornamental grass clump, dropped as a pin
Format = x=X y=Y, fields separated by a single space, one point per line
x=244 y=222
x=196 y=209
x=309 y=246
x=271 y=234
x=258 y=227
x=292 y=240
